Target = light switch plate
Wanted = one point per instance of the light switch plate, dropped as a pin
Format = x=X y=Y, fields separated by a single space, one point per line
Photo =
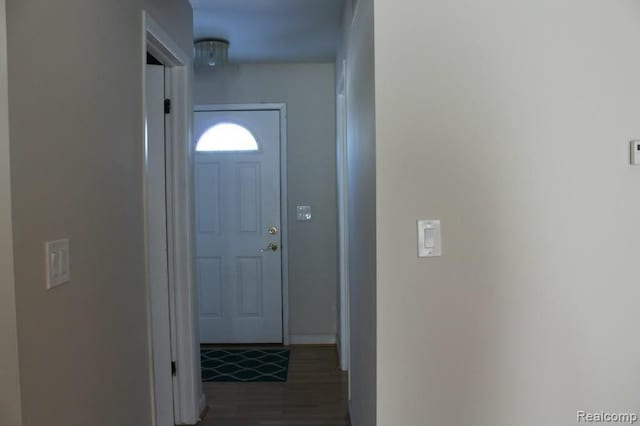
x=57 y=257
x=303 y=213
x=429 y=238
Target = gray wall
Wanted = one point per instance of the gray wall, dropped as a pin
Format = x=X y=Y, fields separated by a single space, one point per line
x=176 y=17
x=9 y=383
x=308 y=91
x=511 y=122
x=357 y=47
x=76 y=168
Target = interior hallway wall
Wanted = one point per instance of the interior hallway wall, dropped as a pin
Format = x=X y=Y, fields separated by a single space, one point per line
x=357 y=48
x=175 y=17
x=9 y=381
x=308 y=90
x=76 y=169
x=510 y=121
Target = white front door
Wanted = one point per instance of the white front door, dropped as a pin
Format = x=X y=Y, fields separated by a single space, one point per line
x=238 y=226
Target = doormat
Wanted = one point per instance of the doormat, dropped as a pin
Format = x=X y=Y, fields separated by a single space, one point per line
x=244 y=365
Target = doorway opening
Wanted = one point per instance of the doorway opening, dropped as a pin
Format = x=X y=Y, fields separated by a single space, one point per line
x=281 y=53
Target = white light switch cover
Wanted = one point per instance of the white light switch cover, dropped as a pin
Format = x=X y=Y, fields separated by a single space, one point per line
x=429 y=238
x=303 y=213
x=57 y=257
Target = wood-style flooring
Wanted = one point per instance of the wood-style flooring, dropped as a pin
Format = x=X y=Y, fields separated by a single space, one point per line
x=314 y=394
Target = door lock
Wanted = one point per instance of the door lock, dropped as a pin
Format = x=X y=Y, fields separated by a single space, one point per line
x=273 y=230
x=271 y=246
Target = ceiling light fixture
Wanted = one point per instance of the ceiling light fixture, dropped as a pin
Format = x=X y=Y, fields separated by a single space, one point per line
x=212 y=52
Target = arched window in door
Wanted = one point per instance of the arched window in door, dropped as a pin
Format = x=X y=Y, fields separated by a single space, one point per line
x=227 y=137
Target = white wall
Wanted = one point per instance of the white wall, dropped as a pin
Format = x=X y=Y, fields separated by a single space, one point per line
x=357 y=46
x=308 y=91
x=9 y=382
x=509 y=121
x=76 y=169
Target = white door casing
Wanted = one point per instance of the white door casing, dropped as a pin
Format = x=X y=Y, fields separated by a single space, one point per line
x=343 y=232
x=238 y=200
x=189 y=401
x=343 y=225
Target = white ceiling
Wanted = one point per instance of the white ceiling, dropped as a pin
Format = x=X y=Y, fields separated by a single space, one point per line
x=272 y=30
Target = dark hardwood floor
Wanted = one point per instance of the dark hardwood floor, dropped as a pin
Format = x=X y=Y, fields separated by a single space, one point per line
x=314 y=394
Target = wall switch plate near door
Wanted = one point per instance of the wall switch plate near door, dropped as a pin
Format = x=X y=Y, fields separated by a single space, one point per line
x=57 y=262
x=429 y=238
x=303 y=213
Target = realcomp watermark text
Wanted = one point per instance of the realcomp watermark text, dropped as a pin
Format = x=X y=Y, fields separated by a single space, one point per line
x=606 y=417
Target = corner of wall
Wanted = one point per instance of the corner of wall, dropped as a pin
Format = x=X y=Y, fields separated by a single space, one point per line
x=10 y=407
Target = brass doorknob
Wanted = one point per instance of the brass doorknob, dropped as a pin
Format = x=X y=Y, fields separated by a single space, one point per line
x=271 y=246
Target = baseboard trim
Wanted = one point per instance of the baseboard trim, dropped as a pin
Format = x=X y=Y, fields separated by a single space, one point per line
x=204 y=408
x=341 y=356
x=312 y=339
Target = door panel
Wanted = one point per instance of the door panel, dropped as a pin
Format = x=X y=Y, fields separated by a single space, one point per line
x=210 y=297
x=249 y=177
x=237 y=201
x=157 y=245
x=208 y=218
x=250 y=286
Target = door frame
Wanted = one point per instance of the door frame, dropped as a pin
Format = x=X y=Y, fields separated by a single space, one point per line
x=343 y=221
x=188 y=399
x=282 y=109
x=157 y=244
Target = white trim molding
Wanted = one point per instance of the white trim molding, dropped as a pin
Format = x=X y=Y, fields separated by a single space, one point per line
x=313 y=339
x=344 y=342
x=187 y=386
x=203 y=407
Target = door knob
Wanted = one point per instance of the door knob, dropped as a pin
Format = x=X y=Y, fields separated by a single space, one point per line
x=271 y=246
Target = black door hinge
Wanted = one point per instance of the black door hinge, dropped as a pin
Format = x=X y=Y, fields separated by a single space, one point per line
x=167 y=106
x=173 y=368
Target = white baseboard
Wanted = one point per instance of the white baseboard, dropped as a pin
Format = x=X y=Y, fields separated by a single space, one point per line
x=312 y=339
x=203 y=407
x=344 y=363
x=202 y=412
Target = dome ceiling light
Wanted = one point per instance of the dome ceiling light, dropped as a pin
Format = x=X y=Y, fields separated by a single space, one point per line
x=212 y=52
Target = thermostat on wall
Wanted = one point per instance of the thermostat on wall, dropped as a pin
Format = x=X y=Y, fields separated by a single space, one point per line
x=635 y=152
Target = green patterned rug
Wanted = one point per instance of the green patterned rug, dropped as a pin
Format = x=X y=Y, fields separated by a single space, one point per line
x=244 y=365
